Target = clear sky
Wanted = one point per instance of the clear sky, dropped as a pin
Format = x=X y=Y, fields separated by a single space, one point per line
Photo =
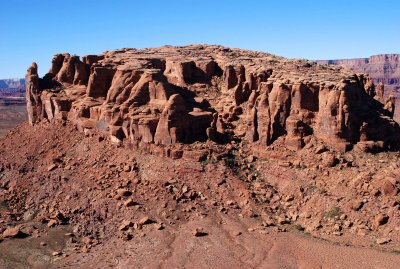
x=34 y=30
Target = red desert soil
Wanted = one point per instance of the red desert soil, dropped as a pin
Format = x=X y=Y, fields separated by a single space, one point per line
x=200 y=157
x=84 y=182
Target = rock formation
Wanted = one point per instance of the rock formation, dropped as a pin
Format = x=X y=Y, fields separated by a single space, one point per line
x=33 y=98
x=247 y=151
x=383 y=68
x=163 y=98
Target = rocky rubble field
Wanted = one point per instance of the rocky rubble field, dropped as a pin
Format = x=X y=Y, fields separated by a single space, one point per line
x=83 y=201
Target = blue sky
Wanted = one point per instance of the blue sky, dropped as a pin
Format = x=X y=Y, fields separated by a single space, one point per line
x=34 y=30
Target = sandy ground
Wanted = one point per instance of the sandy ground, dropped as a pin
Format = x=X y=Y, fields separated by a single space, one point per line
x=228 y=245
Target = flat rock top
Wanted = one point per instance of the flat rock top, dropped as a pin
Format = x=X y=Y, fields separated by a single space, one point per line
x=284 y=69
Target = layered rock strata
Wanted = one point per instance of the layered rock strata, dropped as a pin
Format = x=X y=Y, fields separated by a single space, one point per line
x=161 y=99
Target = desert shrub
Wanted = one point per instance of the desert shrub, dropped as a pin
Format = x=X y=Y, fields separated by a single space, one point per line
x=333 y=212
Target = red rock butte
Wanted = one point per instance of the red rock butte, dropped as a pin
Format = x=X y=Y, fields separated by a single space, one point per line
x=159 y=100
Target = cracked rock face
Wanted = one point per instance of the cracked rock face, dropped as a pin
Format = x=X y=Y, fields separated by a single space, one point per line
x=162 y=98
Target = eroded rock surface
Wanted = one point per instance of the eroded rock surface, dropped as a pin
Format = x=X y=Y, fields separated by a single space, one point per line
x=383 y=69
x=157 y=99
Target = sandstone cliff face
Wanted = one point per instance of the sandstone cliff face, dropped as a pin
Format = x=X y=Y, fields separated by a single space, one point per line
x=163 y=98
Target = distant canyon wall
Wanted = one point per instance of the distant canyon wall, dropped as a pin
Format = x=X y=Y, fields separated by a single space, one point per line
x=14 y=87
x=383 y=68
x=12 y=104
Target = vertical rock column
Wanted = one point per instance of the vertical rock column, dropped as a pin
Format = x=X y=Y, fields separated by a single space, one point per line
x=390 y=105
x=33 y=101
x=380 y=91
x=173 y=126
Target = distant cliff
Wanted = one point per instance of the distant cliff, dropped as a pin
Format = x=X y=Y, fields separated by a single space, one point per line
x=12 y=83
x=12 y=87
x=383 y=68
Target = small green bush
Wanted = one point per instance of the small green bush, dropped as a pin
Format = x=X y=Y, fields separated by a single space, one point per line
x=333 y=212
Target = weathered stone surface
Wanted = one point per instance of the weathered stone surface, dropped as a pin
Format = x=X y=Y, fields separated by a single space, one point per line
x=383 y=69
x=381 y=219
x=33 y=100
x=14 y=232
x=173 y=126
x=100 y=81
x=166 y=96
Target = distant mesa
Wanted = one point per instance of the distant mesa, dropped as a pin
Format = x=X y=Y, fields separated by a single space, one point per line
x=161 y=99
x=13 y=83
x=383 y=68
x=12 y=91
x=12 y=104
